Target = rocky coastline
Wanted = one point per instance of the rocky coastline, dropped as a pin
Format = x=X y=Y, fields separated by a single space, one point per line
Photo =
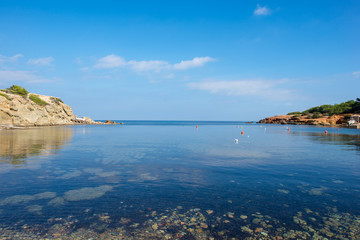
x=340 y=120
x=19 y=108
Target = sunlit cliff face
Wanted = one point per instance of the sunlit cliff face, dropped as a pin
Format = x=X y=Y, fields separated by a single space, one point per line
x=17 y=145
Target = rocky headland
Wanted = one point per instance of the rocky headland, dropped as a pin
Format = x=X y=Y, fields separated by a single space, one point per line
x=335 y=120
x=19 y=108
x=346 y=114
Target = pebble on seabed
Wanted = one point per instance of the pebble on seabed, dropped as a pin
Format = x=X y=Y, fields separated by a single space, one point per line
x=179 y=223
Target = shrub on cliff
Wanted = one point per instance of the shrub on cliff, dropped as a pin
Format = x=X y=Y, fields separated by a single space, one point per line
x=357 y=106
x=5 y=96
x=316 y=115
x=15 y=89
x=329 y=110
x=347 y=116
x=57 y=100
x=37 y=100
x=294 y=113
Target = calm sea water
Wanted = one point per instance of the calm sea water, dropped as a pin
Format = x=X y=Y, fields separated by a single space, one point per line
x=169 y=179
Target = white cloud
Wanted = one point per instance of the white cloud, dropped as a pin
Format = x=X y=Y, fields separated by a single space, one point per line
x=24 y=76
x=110 y=61
x=14 y=58
x=356 y=74
x=41 y=61
x=113 y=61
x=258 y=88
x=262 y=11
x=195 y=62
x=148 y=65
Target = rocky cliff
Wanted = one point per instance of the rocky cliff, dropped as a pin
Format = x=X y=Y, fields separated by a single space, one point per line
x=29 y=109
x=334 y=120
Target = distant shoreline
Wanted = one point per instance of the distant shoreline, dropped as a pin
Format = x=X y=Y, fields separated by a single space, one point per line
x=339 y=120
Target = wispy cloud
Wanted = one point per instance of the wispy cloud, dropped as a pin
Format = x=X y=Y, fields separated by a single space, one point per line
x=154 y=65
x=41 y=61
x=113 y=61
x=195 y=62
x=4 y=59
x=262 y=11
x=22 y=76
x=356 y=74
x=110 y=61
x=257 y=88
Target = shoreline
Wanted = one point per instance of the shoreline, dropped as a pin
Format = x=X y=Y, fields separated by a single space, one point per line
x=14 y=127
x=337 y=121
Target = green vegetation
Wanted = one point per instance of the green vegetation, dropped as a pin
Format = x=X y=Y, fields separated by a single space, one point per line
x=347 y=116
x=37 y=100
x=57 y=100
x=316 y=115
x=15 y=89
x=292 y=113
x=5 y=96
x=352 y=106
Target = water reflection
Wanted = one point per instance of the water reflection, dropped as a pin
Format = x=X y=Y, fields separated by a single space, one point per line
x=334 y=138
x=173 y=182
x=17 y=145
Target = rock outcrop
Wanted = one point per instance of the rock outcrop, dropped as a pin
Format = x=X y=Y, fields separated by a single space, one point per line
x=334 y=120
x=21 y=110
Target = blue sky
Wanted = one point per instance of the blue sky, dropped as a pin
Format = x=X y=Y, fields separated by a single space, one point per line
x=183 y=60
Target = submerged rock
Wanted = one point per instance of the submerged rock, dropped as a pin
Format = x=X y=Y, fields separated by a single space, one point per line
x=317 y=191
x=87 y=193
x=34 y=209
x=209 y=212
x=57 y=201
x=17 y=199
x=283 y=191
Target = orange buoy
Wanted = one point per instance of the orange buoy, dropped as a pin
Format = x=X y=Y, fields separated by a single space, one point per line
x=242 y=132
x=325 y=131
x=288 y=129
x=196 y=126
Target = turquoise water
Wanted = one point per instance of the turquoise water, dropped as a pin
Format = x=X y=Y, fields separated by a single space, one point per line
x=169 y=179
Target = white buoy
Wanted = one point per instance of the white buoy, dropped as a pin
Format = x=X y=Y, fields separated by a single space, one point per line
x=236 y=140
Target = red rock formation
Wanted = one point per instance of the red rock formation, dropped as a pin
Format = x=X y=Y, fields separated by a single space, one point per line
x=304 y=120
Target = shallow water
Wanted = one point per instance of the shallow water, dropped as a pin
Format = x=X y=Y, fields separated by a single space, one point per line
x=167 y=180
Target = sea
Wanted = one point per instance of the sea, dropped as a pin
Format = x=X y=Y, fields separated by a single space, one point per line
x=180 y=180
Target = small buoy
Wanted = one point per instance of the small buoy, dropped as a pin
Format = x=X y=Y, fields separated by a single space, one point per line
x=288 y=129
x=325 y=131
x=260 y=125
x=196 y=126
x=242 y=132
x=236 y=140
